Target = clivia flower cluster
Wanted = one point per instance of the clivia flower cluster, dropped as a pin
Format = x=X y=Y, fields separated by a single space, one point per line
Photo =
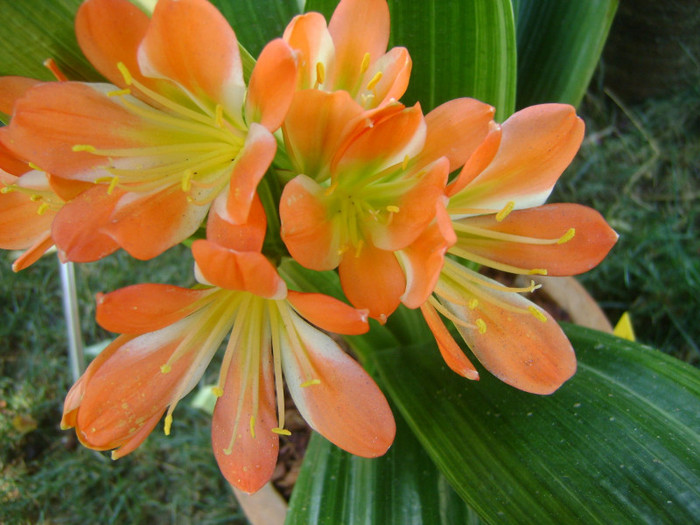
x=399 y=202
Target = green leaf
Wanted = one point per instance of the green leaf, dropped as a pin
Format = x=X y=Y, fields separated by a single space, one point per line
x=403 y=487
x=256 y=22
x=559 y=46
x=31 y=32
x=616 y=444
x=459 y=48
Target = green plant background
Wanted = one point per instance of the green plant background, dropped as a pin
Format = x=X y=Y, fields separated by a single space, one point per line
x=618 y=443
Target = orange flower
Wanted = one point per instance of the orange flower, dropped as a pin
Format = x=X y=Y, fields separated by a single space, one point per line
x=496 y=219
x=369 y=191
x=175 y=131
x=350 y=53
x=169 y=343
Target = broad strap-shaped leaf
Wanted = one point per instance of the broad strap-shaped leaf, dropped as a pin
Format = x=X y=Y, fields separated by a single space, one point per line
x=559 y=46
x=401 y=488
x=616 y=444
x=462 y=48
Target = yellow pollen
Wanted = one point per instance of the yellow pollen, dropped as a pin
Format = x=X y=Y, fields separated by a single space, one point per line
x=113 y=456
x=365 y=63
x=190 y=199
x=538 y=271
x=567 y=236
x=42 y=208
x=186 y=184
x=168 y=424
x=252 y=426
x=481 y=326
x=320 y=73
x=34 y=197
x=219 y=116
x=113 y=184
x=392 y=209
x=128 y=79
x=217 y=391
x=8 y=189
x=166 y=368
x=119 y=92
x=375 y=80
x=281 y=431
x=84 y=147
x=505 y=211
x=537 y=313
x=405 y=163
x=473 y=303
x=311 y=382
x=34 y=166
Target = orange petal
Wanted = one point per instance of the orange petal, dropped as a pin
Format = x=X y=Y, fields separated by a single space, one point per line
x=130 y=388
x=477 y=162
x=11 y=89
x=516 y=347
x=308 y=35
x=20 y=224
x=76 y=229
x=329 y=313
x=537 y=144
x=250 y=167
x=307 y=231
x=248 y=271
x=372 y=279
x=384 y=143
x=52 y=118
x=241 y=435
x=271 y=85
x=422 y=262
x=315 y=129
x=449 y=349
x=145 y=308
x=33 y=253
x=342 y=402
x=416 y=209
x=357 y=27
x=246 y=237
x=203 y=59
x=592 y=238
x=9 y=161
x=455 y=130
x=109 y=32
x=395 y=68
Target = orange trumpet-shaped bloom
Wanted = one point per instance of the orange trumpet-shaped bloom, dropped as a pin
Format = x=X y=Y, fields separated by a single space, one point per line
x=176 y=130
x=273 y=331
x=350 y=53
x=497 y=219
x=370 y=190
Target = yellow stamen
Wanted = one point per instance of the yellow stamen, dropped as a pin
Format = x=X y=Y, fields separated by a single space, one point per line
x=186 y=184
x=119 y=92
x=34 y=197
x=392 y=209
x=330 y=189
x=405 y=163
x=481 y=326
x=311 y=382
x=281 y=431
x=320 y=74
x=365 y=63
x=113 y=184
x=358 y=247
x=8 y=189
x=375 y=80
x=217 y=391
x=538 y=271
x=505 y=211
x=128 y=79
x=219 y=117
x=168 y=424
x=42 y=208
x=567 y=236
x=252 y=426
x=537 y=313
x=473 y=303
x=34 y=166
x=166 y=368
x=84 y=147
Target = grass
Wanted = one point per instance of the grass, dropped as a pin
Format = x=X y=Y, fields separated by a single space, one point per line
x=638 y=166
